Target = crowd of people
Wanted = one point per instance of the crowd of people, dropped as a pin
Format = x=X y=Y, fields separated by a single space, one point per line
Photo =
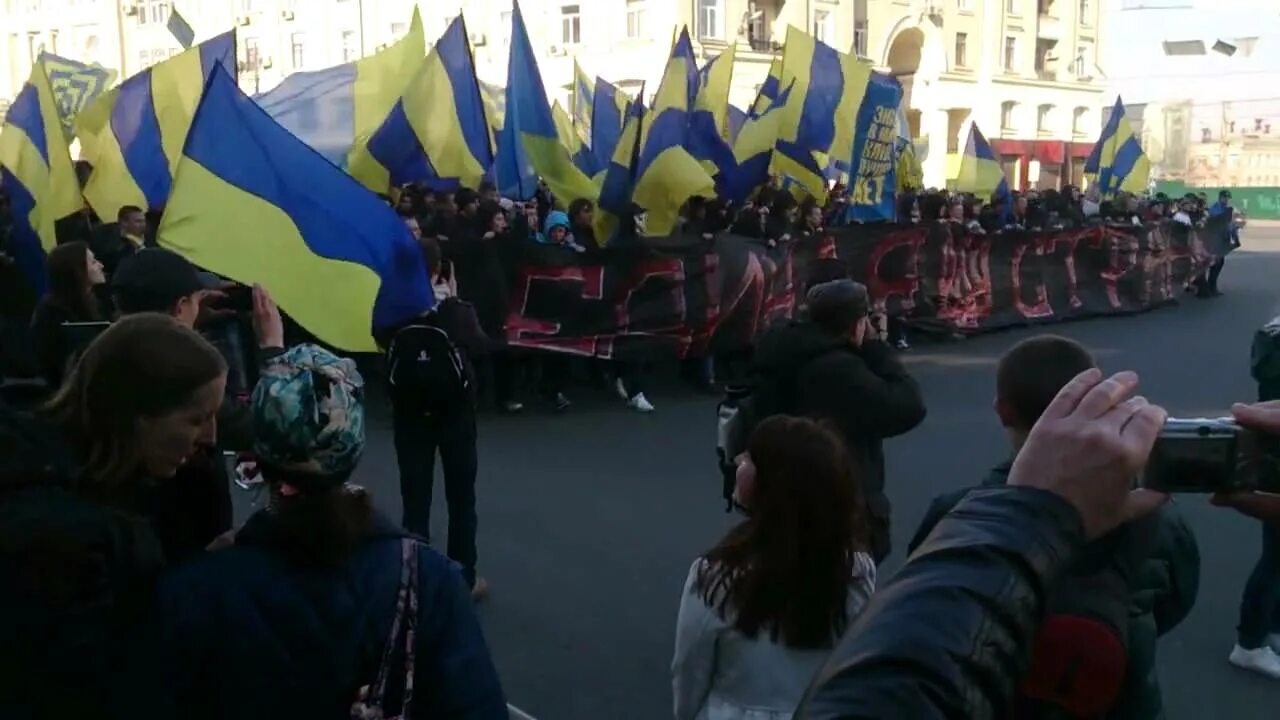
x=129 y=592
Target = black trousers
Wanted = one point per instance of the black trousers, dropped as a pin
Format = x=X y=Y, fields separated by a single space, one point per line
x=1214 y=271
x=417 y=439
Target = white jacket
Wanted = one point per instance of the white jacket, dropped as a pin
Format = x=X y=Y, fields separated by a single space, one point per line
x=720 y=674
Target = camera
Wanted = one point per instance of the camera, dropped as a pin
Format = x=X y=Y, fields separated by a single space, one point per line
x=1206 y=455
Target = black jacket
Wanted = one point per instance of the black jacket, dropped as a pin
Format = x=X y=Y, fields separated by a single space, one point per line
x=950 y=635
x=482 y=279
x=865 y=392
x=248 y=634
x=1157 y=558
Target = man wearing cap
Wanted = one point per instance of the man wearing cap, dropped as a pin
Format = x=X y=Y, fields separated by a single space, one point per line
x=831 y=367
x=195 y=508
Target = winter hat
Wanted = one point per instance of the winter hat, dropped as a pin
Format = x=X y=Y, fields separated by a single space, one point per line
x=838 y=304
x=308 y=413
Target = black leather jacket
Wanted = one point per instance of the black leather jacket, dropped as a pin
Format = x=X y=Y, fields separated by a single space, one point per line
x=950 y=635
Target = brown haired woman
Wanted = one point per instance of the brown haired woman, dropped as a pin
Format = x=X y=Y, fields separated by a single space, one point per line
x=73 y=274
x=762 y=609
x=78 y=560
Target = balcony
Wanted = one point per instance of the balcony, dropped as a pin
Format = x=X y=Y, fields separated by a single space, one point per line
x=1048 y=25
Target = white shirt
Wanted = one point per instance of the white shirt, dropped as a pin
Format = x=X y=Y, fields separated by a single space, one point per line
x=720 y=674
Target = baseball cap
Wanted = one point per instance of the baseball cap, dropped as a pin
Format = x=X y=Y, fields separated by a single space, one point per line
x=308 y=417
x=154 y=279
x=838 y=304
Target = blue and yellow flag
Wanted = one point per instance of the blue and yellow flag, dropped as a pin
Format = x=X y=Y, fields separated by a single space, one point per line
x=818 y=122
x=910 y=172
x=37 y=174
x=666 y=174
x=769 y=89
x=337 y=110
x=618 y=178
x=253 y=203
x=134 y=134
x=572 y=141
x=709 y=121
x=737 y=118
x=753 y=149
x=873 y=167
x=528 y=145
x=609 y=111
x=583 y=98
x=74 y=85
x=438 y=133
x=981 y=173
x=1117 y=162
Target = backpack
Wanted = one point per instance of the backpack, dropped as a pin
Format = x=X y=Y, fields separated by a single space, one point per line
x=743 y=408
x=426 y=370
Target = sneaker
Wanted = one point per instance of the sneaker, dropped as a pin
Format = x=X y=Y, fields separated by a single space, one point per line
x=1263 y=661
x=621 y=388
x=511 y=407
x=480 y=590
x=560 y=402
x=640 y=403
x=902 y=344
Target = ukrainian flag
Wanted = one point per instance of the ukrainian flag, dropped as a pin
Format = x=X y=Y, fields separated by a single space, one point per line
x=619 y=178
x=1117 y=163
x=753 y=148
x=528 y=145
x=437 y=133
x=253 y=203
x=583 y=96
x=737 y=118
x=981 y=173
x=74 y=85
x=666 y=174
x=608 y=112
x=709 y=122
x=910 y=172
x=134 y=134
x=37 y=174
x=337 y=110
x=769 y=89
x=572 y=141
x=820 y=120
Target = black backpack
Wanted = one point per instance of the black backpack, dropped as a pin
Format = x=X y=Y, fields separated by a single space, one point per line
x=426 y=370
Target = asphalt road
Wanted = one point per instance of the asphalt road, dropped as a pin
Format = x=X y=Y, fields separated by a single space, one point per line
x=589 y=521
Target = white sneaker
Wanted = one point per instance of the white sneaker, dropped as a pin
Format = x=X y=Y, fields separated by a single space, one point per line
x=640 y=403
x=1263 y=661
x=621 y=388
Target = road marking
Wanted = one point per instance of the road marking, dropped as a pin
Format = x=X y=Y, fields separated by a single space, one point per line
x=516 y=713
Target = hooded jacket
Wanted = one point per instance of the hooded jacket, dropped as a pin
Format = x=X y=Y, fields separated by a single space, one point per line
x=247 y=634
x=556 y=219
x=865 y=392
x=1156 y=557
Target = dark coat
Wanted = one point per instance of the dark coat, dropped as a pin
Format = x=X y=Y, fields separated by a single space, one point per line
x=984 y=570
x=247 y=634
x=52 y=352
x=865 y=392
x=76 y=585
x=1156 y=557
x=482 y=279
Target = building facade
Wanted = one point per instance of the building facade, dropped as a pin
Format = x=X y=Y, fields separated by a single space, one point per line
x=1026 y=71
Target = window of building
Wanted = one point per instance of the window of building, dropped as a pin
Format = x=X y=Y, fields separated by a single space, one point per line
x=1079 y=120
x=159 y=55
x=251 y=58
x=159 y=11
x=144 y=59
x=504 y=19
x=298 y=49
x=1010 y=54
x=570 y=25
x=860 y=38
x=1044 y=118
x=1007 y=115
x=349 y=50
x=709 y=19
x=962 y=49
x=398 y=30
x=964 y=5
x=1046 y=64
x=1082 y=61
x=1012 y=6
x=635 y=18
x=1086 y=12
x=823 y=28
x=247 y=7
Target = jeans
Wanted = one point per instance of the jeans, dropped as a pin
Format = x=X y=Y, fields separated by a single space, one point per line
x=417 y=438
x=1260 y=606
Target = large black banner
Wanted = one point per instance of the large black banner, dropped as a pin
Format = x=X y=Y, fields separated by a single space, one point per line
x=684 y=295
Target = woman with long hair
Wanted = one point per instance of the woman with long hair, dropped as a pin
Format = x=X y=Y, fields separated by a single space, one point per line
x=74 y=273
x=78 y=562
x=322 y=603
x=762 y=609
